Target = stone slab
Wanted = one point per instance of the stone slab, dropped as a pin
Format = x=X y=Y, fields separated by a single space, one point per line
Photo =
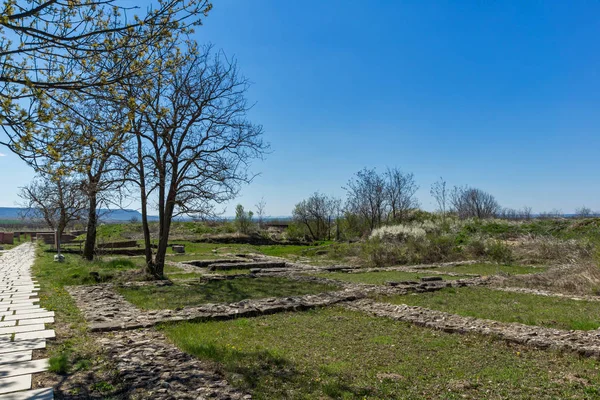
x=23 y=368
x=45 y=334
x=9 y=347
x=17 y=307
x=15 y=383
x=17 y=316
x=37 y=394
x=19 y=329
x=16 y=356
x=46 y=320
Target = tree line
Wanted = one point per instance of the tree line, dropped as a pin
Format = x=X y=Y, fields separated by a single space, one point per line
x=377 y=198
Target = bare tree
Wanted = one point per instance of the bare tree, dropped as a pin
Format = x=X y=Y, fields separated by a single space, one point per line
x=366 y=197
x=260 y=212
x=192 y=142
x=555 y=213
x=470 y=202
x=439 y=192
x=526 y=213
x=316 y=214
x=514 y=214
x=400 y=190
x=56 y=199
x=583 y=212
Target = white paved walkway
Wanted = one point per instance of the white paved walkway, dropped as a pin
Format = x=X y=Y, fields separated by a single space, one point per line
x=22 y=326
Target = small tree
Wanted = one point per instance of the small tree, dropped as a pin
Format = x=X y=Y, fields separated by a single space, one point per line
x=366 y=197
x=439 y=192
x=316 y=214
x=400 y=190
x=260 y=212
x=243 y=219
x=583 y=212
x=470 y=202
x=55 y=199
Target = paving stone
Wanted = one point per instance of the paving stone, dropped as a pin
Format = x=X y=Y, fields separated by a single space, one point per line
x=23 y=368
x=42 y=314
x=16 y=356
x=37 y=394
x=19 y=302
x=10 y=346
x=46 y=320
x=18 y=307
x=15 y=383
x=18 y=329
x=7 y=323
x=45 y=334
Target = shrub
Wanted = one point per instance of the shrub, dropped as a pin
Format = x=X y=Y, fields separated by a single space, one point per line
x=59 y=364
x=441 y=248
x=380 y=254
x=475 y=247
x=499 y=252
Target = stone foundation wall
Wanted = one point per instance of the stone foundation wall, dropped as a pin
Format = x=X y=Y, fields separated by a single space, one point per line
x=586 y=343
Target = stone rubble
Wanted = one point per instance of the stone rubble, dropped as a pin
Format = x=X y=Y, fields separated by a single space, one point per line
x=153 y=368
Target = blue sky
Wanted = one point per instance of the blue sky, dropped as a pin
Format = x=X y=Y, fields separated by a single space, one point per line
x=499 y=95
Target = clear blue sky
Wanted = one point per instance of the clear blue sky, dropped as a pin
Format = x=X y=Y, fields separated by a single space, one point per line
x=503 y=96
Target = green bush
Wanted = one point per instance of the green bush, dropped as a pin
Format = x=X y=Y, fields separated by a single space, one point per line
x=476 y=247
x=59 y=364
x=499 y=252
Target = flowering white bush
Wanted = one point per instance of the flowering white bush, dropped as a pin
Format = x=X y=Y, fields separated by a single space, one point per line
x=403 y=232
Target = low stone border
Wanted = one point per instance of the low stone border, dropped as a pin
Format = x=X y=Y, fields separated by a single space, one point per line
x=107 y=310
x=546 y=293
x=153 y=368
x=586 y=343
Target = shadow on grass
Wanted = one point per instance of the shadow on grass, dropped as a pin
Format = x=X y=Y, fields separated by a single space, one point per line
x=219 y=291
x=274 y=374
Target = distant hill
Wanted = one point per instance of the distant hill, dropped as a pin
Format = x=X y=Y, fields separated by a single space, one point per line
x=16 y=213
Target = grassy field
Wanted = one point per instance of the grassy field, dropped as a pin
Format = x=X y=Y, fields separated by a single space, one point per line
x=73 y=351
x=491 y=269
x=340 y=354
x=380 y=278
x=527 y=309
x=222 y=291
x=76 y=271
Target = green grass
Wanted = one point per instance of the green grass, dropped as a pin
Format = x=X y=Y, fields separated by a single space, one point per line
x=491 y=269
x=172 y=272
x=76 y=271
x=341 y=354
x=524 y=308
x=73 y=350
x=201 y=250
x=221 y=291
x=379 y=278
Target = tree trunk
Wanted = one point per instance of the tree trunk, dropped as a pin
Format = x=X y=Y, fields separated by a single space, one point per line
x=144 y=201
x=163 y=240
x=90 y=238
